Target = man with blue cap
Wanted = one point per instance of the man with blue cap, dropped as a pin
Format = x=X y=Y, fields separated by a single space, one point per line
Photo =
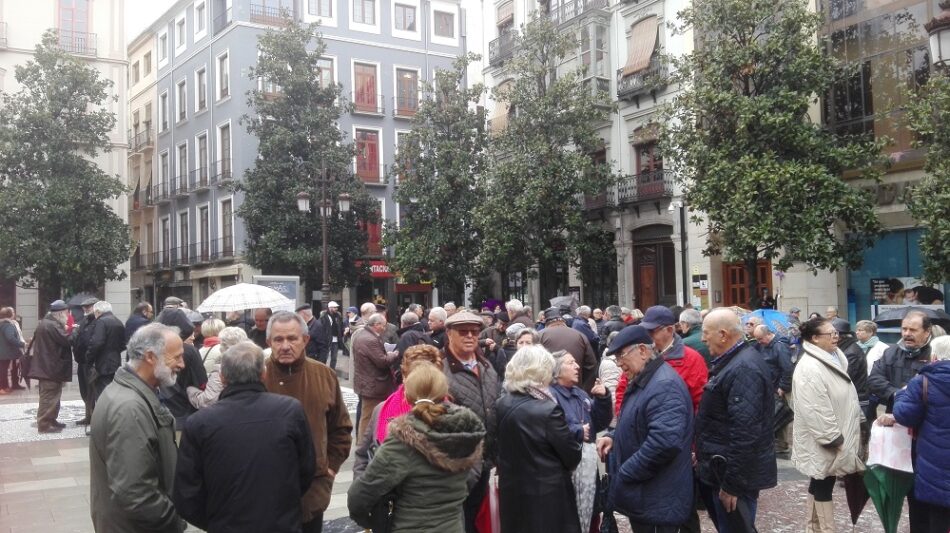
x=650 y=459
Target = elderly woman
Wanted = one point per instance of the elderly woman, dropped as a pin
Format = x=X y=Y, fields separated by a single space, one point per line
x=925 y=406
x=210 y=348
x=11 y=349
x=827 y=430
x=585 y=417
x=526 y=337
x=227 y=337
x=536 y=450
x=424 y=461
x=392 y=407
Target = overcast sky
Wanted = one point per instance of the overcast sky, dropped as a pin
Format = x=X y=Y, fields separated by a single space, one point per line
x=139 y=14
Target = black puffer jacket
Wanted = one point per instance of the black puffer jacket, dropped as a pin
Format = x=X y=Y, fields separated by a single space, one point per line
x=857 y=366
x=478 y=393
x=735 y=422
x=106 y=344
x=895 y=368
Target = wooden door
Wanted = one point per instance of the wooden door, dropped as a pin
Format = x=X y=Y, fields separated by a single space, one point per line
x=365 y=87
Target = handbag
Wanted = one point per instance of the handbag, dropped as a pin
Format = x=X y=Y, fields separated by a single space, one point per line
x=26 y=363
x=783 y=414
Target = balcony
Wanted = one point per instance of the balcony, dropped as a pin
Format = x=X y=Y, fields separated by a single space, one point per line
x=501 y=48
x=199 y=179
x=598 y=87
x=138 y=260
x=142 y=140
x=220 y=250
x=371 y=174
x=648 y=80
x=651 y=185
x=141 y=199
x=575 y=8
x=221 y=172
x=78 y=42
x=3 y=34
x=603 y=200
x=222 y=21
x=270 y=15
x=368 y=103
x=405 y=106
x=179 y=186
x=160 y=193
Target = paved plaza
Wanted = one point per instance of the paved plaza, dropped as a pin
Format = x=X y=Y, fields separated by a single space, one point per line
x=44 y=479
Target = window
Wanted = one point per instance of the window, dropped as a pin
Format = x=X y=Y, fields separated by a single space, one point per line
x=224 y=75
x=365 y=98
x=204 y=232
x=147 y=64
x=201 y=90
x=163 y=112
x=325 y=71
x=405 y=17
x=147 y=116
x=202 y=162
x=181 y=99
x=180 y=38
x=181 y=183
x=201 y=20
x=444 y=24
x=74 y=33
x=641 y=43
x=364 y=12
x=163 y=171
x=227 y=228
x=162 y=49
x=367 y=155
x=183 y=237
x=320 y=8
x=135 y=72
x=224 y=151
x=594 y=51
x=505 y=16
x=407 y=92
x=166 y=241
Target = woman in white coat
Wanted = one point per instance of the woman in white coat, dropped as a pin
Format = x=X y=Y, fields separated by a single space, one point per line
x=827 y=427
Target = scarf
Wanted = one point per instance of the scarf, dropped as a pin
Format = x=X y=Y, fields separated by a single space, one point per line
x=539 y=394
x=865 y=346
x=211 y=342
x=393 y=407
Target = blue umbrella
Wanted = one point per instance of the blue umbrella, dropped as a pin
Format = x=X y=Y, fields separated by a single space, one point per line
x=776 y=321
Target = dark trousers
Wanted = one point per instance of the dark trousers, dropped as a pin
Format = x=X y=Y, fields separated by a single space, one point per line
x=315 y=525
x=100 y=385
x=334 y=348
x=646 y=528
x=48 y=410
x=926 y=517
x=821 y=489
x=717 y=513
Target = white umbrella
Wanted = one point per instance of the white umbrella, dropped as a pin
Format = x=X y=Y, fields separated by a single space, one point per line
x=245 y=296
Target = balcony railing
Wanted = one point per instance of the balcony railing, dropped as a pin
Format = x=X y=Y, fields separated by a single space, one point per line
x=647 y=80
x=138 y=260
x=78 y=42
x=161 y=193
x=194 y=254
x=221 y=172
x=599 y=87
x=270 y=15
x=141 y=140
x=501 y=48
x=368 y=103
x=646 y=186
x=574 y=8
x=222 y=21
x=199 y=179
x=141 y=199
x=405 y=106
x=3 y=34
x=179 y=186
x=607 y=198
x=371 y=174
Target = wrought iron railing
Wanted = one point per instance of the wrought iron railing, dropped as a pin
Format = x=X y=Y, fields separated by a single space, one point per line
x=270 y=14
x=501 y=48
x=651 y=78
x=78 y=42
x=222 y=21
x=646 y=186
x=573 y=8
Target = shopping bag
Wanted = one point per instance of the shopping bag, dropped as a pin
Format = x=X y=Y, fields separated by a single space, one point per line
x=488 y=519
x=890 y=446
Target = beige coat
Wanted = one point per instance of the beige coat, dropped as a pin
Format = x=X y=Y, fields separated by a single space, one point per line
x=826 y=406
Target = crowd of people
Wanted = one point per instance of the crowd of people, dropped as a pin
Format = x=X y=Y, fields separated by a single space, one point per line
x=564 y=422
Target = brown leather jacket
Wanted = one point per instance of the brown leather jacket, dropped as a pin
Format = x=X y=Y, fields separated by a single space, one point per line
x=371 y=366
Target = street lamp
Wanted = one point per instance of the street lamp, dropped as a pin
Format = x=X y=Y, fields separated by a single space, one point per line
x=326 y=209
x=939 y=30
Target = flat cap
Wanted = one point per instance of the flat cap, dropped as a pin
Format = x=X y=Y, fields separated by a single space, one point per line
x=58 y=305
x=89 y=301
x=627 y=336
x=551 y=314
x=173 y=301
x=464 y=317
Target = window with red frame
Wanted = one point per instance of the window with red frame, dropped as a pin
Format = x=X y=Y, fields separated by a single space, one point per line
x=367 y=155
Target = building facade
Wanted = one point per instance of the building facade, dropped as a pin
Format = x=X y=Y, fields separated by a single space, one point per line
x=94 y=31
x=381 y=52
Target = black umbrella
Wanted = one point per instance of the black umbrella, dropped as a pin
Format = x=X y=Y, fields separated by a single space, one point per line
x=77 y=300
x=894 y=317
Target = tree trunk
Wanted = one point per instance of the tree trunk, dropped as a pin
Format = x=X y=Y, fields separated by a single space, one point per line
x=752 y=279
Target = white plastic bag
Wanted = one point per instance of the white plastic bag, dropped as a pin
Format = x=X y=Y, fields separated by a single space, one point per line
x=890 y=446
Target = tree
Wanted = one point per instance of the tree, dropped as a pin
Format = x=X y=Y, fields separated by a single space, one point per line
x=295 y=118
x=764 y=178
x=929 y=118
x=58 y=231
x=541 y=165
x=436 y=168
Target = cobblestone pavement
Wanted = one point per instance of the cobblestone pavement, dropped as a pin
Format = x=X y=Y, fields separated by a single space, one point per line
x=44 y=480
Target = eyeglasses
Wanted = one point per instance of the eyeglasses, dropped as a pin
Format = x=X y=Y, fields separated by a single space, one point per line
x=832 y=333
x=632 y=348
x=468 y=332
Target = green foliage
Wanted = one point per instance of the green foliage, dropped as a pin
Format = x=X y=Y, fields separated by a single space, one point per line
x=765 y=178
x=540 y=165
x=58 y=231
x=298 y=133
x=436 y=165
x=929 y=118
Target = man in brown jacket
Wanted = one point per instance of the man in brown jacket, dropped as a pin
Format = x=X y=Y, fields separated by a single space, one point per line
x=372 y=375
x=51 y=365
x=556 y=335
x=291 y=373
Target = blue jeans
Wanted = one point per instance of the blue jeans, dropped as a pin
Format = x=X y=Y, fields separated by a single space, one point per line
x=717 y=513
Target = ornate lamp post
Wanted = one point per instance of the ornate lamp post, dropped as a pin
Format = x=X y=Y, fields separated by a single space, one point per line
x=326 y=209
x=939 y=30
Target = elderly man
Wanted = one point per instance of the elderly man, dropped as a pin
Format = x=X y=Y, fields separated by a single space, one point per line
x=51 y=365
x=372 y=377
x=289 y=372
x=473 y=383
x=614 y=322
x=258 y=333
x=734 y=447
x=450 y=308
x=778 y=356
x=317 y=345
x=558 y=336
x=246 y=461
x=652 y=440
x=437 y=318
x=582 y=324
x=105 y=347
x=749 y=328
x=80 y=337
x=132 y=452
x=902 y=361
x=517 y=314
x=410 y=334
x=332 y=322
x=691 y=324
x=795 y=316
x=831 y=312
x=141 y=315
x=687 y=362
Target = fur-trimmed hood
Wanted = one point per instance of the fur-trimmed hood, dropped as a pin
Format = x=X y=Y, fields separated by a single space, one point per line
x=453 y=444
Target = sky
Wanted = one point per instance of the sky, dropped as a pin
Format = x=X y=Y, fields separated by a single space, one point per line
x=139 y=14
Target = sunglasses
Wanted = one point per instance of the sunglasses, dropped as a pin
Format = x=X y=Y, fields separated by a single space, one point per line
x=467 y=332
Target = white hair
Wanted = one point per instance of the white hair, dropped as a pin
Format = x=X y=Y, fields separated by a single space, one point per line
x=583 y=311
x=940 y=348
x=691 y=317
x=449 y=306
x=231 y=336
x=287 y=316
x=148 y=338
x=408 y=319
x=531 y=366
x=367 y=309
x=375 y=319
x=514 y=307
x=242 y=363
x=439 y=314
x=102 y=306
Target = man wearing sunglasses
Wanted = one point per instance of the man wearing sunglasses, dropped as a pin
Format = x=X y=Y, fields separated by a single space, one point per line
x=473 y=383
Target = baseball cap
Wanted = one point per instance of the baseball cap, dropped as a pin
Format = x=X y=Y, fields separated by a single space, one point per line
x=627 y=336
x=657 y=317
x=333 y=304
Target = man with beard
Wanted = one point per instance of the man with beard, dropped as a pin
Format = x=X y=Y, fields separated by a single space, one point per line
x=51 y=365
x=175 y=396
x=132 y=453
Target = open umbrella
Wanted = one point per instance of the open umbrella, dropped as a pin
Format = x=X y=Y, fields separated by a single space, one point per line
x=893 y=317
x=776 y=321
x=78 y=299
x=245 y=296
x=856 y=493
x=887 y=488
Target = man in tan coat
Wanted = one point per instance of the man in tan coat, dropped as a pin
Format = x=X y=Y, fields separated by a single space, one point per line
x=290 y=372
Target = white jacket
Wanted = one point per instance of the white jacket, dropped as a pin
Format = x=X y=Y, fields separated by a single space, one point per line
x=875 y=353
x=825 y=406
